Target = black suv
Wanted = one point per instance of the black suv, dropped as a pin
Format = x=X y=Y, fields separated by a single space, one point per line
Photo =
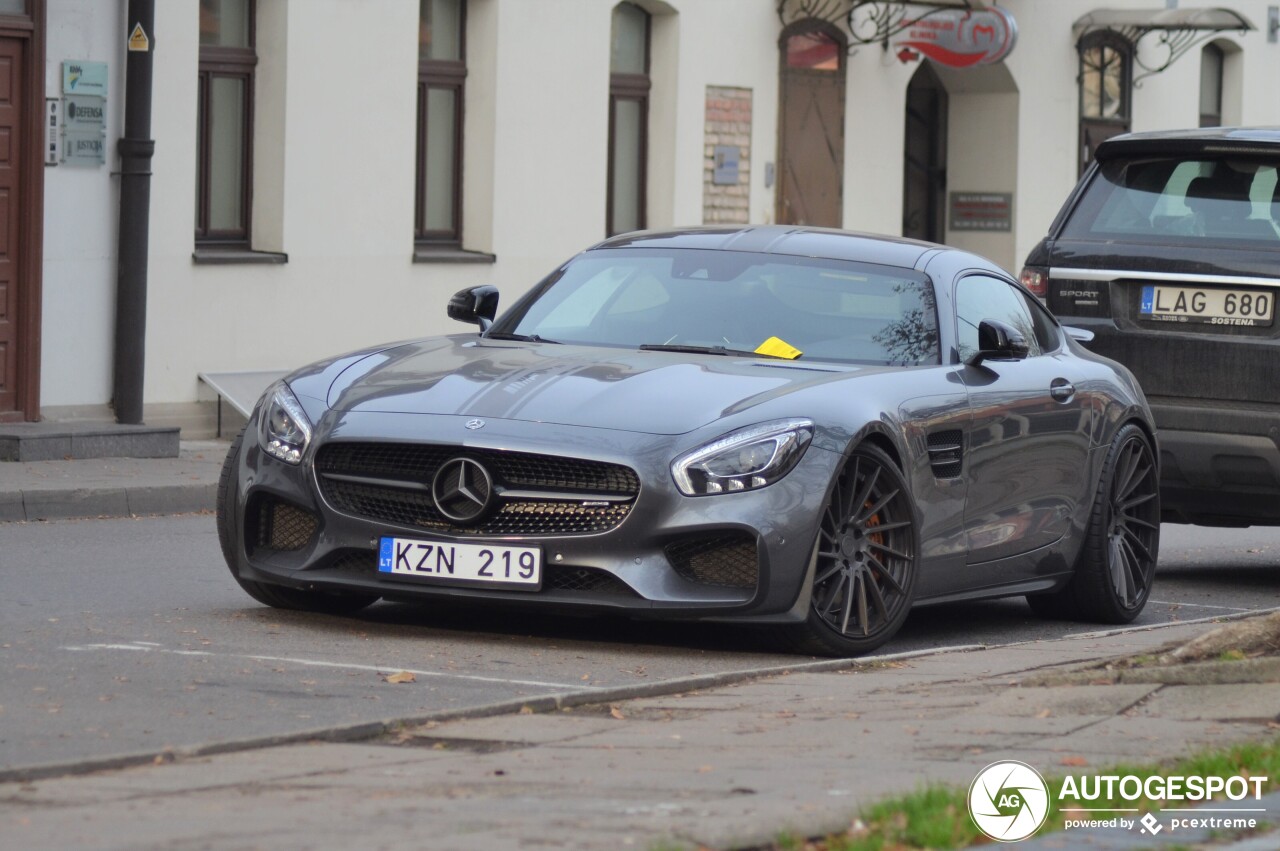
x=1169 y=251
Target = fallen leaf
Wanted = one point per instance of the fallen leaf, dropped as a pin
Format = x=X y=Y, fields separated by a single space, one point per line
x=703 y=769
x=616 y=713
x=1043 y=713
x=526 y=710
x=586 y=676
x=401 y=677
x=1073 y=761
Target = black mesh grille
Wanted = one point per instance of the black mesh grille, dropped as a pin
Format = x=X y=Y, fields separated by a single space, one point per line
x=419 y=462
x=727 y=560
x=574 y=482
x=281 y=526
x=946 y=453
x=585 y=580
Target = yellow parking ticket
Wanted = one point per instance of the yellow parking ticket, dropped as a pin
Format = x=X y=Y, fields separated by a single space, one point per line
x=778 y=348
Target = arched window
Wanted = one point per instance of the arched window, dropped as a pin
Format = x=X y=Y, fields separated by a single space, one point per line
x=1212 y=63
x=1106 y=83
x=628 y=119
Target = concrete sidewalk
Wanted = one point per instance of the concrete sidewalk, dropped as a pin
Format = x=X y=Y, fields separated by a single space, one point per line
x=112 y=487
x=799 y=753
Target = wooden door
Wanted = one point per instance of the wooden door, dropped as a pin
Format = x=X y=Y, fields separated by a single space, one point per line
x=811 y=145
x=12 y=125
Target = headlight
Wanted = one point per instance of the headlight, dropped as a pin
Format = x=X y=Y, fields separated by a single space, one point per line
x=283 y=428
x=744 y=460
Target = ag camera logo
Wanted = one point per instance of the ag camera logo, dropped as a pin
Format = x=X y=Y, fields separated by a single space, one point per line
x=1008 y=801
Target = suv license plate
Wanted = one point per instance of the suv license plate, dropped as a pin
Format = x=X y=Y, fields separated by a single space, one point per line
x=516 y=568
x=1207 y=306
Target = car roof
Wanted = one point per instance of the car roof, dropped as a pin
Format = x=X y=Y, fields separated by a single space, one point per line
x=1198 y=140
x=791 y=240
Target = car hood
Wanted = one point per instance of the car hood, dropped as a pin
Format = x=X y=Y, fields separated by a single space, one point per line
x=623 y=389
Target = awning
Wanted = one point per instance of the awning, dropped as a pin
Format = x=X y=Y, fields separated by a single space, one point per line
x=868 y=21
x=1175 y=31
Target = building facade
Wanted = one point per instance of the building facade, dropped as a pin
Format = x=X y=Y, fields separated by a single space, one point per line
x=326 y=173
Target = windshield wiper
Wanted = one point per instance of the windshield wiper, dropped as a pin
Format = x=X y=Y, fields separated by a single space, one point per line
x=522 y=338
x=702 y=350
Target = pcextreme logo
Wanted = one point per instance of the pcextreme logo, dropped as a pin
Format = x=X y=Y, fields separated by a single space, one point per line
x=1008 y=801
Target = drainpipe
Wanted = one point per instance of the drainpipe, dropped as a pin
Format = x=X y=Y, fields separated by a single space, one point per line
x=136 y=149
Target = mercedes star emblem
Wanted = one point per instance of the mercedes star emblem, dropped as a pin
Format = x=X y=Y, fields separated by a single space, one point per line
x=462 y=490
x=475 y=424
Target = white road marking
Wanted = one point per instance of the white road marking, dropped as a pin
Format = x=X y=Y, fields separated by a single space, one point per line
x=149 y=647
x=1201 y=606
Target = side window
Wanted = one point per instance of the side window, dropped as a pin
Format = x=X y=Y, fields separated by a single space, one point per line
x=979 y=298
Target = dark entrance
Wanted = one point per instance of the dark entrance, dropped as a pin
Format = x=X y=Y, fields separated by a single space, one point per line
x=811 y=125
x=924 y=183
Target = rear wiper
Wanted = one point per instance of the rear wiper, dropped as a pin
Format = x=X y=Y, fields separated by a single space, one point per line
x=702 y=350
x=521 y=338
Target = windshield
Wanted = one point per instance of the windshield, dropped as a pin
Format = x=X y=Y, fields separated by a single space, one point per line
x=1184 y=201
x=726 y=302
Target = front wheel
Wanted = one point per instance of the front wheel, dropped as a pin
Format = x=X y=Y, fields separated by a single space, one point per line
x=867 y=558
x=1118 y=560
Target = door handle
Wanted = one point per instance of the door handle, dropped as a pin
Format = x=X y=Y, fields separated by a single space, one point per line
x=1061 y=389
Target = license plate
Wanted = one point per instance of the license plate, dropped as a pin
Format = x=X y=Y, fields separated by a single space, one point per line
x=1207 y=306
x=462 y=564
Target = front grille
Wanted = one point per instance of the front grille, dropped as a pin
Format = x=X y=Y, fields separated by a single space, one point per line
x=415 y=462
x=557 y=496
x=584 y=580
x=280 y=526
x=727 y=560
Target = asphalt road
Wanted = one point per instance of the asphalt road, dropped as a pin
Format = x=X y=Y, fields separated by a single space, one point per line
x=126 y=637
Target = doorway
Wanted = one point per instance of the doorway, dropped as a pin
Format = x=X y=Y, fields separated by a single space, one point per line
x=811 y=125
x=924 y=182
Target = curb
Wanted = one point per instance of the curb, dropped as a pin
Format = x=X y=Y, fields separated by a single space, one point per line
x=81 y=503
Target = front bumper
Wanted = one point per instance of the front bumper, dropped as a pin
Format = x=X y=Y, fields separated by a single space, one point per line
x=735 y=555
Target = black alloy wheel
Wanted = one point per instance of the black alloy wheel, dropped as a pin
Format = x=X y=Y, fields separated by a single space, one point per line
x=1122 y=542
x=865 y=562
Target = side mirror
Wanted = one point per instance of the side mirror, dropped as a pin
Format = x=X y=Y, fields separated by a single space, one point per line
x=998 y=341
x=477 y=305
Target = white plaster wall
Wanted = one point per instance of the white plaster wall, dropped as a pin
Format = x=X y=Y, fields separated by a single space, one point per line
x=335 y=163
x=81 y=209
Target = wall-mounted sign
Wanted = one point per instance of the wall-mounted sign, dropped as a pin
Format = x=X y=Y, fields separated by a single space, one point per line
x=725 y=172
x=961 y=38
x=84 y=147
x=85 y=112
x=84 y=78
x=980 y=211
x=138 y=41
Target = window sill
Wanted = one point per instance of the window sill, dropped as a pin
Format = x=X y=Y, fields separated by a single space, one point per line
x=449 y=254
x=209 y=255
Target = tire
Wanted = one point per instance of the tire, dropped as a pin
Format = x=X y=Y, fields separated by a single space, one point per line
x=1117 y=562
x=867 y=560
x=276 y=596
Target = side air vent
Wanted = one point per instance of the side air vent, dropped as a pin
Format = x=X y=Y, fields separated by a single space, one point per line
x=946 y=453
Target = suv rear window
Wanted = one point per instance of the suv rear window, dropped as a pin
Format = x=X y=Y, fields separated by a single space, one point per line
x=1181 y=200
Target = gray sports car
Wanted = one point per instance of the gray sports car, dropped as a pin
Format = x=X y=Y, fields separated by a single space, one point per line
x=809 y=429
